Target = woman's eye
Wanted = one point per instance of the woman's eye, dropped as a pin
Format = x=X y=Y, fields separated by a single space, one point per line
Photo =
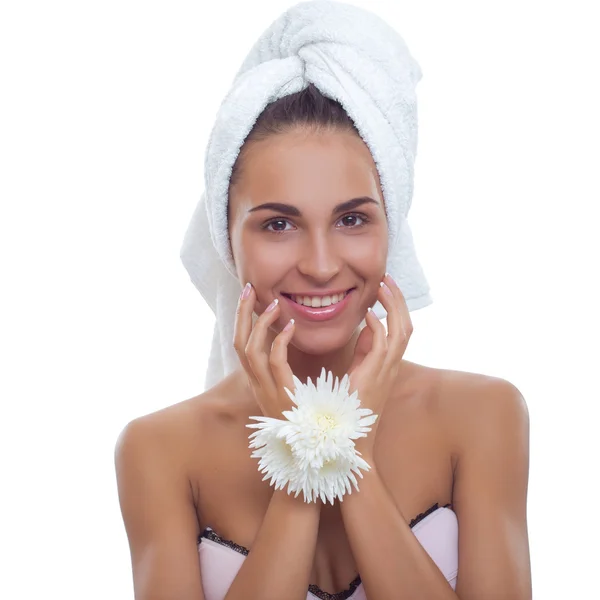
x=276 y=225
x=351 y=220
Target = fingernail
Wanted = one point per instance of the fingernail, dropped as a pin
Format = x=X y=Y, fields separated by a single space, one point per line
x=369 y=309
x=390 y=278
x=272 y=305
x=289 y=325
x=386 y=289
x=246 y=291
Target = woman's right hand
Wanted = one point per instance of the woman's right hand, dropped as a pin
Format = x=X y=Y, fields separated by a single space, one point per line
x=268 y=372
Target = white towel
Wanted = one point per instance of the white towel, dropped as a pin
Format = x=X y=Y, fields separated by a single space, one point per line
x=351 y=55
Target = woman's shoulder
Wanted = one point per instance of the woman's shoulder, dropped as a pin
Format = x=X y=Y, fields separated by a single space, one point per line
x=459 y=400
x=437 y=391
x=187 y=427
x=462 y=393
x=451 y=393
x=468 y=402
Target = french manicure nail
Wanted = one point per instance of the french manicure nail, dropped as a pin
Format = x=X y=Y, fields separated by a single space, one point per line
x=246 y=291
x=272 y=305
x=386 y=289
x=289 y=325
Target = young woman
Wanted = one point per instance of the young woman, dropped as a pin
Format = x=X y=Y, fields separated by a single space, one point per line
x=441 y=514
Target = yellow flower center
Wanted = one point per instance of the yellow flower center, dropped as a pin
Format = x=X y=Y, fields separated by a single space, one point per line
x=326 y=422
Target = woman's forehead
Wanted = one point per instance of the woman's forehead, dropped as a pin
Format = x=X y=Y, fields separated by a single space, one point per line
x=306 y=169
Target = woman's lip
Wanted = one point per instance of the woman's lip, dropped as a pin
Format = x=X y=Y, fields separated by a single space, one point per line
x=318 y=294
x=323 y=313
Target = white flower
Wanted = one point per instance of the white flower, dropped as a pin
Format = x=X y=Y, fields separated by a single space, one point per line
x=313 y=449
x=275 y=454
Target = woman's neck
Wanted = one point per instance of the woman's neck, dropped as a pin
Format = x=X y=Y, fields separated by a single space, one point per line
x=305 y=365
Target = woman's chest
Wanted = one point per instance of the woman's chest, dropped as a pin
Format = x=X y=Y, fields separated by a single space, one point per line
x=411 y=453
x=411 y=456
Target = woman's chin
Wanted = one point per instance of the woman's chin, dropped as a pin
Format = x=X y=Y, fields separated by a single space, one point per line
x=316 y=342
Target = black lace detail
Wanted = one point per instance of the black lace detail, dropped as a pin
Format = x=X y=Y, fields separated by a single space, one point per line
x=210 y=534
x=422 y=515
x=319 y=593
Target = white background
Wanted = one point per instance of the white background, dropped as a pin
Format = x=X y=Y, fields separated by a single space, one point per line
x=106 y=108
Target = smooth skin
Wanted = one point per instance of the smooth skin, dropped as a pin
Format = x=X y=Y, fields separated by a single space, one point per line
x=287 y=237
x=442 y=436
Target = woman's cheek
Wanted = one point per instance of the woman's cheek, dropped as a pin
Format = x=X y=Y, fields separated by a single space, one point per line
x=277 y=256
x=367 y=253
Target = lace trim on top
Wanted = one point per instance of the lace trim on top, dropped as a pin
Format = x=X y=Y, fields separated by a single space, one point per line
x=210 y=534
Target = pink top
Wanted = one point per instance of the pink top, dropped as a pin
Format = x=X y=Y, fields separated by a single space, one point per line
x=436 y=529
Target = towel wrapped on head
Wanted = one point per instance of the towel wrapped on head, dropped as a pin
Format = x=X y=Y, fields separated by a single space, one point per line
x=353 y=57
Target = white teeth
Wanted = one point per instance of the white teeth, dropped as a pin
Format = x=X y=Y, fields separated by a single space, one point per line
x=319 y=301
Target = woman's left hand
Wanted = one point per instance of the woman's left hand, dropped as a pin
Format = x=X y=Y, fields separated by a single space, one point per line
x=377 y=357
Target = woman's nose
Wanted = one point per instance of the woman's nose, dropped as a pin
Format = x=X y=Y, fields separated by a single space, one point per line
x=319 y=259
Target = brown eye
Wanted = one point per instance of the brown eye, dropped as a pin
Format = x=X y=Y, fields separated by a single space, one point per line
x=350 y=221
x=276 y=225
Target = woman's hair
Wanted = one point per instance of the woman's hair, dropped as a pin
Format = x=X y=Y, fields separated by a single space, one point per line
x=307 y=108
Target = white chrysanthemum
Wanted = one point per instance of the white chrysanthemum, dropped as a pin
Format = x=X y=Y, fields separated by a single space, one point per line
x=331 y=481
x=313 y=449
x=276 y=458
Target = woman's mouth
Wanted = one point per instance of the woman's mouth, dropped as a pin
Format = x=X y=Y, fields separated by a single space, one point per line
x=318 y=308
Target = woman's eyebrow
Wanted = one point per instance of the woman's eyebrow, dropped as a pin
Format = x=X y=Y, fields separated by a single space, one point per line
x=292 y=211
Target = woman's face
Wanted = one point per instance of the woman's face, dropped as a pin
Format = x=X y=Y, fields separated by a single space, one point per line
x=301 y=224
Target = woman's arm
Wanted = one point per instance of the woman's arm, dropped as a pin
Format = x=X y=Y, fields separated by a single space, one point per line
x=391 y=561
x=280 y=561
x=490 y=494
x=162 y=529
x=159 y=515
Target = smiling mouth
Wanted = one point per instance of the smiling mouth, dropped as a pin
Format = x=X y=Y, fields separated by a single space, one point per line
x=317 y=301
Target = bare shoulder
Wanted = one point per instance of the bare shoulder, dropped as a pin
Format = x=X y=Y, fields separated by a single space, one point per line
x=155 y=455
x=474 y=405
x=487 y=421
x=168 y=430
x=183 y=428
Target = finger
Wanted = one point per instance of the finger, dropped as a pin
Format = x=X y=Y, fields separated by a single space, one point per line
x=399 y=296
x=362 y=347
x=395 y=327
x=243 y=327
x=392 y=308
x=278 y=360
x=255 y=348
x=374 y=359
x=399 y=322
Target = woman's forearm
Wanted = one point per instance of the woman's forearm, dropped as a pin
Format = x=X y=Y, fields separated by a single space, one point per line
x=280 y=561
x=391 y=561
